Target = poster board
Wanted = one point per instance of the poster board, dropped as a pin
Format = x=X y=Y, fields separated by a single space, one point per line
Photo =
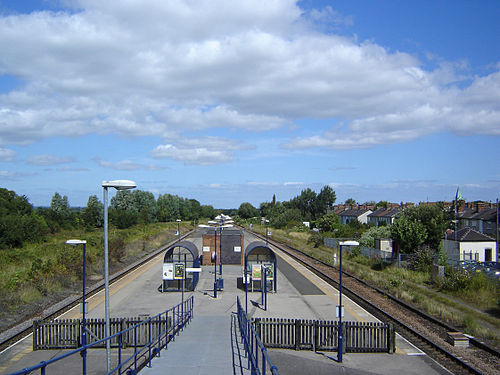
x=178 y=271
x=256 y=272
x=168 y=271
x=269 y=271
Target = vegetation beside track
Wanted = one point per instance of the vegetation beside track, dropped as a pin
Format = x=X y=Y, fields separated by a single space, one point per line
x=472 y=307
x=37 y=275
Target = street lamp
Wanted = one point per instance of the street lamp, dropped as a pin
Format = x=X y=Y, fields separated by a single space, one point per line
x=118 y=185
x=178 y=229
x=340 y=309
x=84 y=330
x=267 y=231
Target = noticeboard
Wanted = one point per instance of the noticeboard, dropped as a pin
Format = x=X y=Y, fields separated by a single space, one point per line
x=168 y=271
x=178 y=271
x=269 y=271
x=256 y=272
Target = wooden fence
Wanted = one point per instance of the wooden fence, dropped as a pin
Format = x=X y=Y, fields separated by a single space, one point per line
x=319 y=335
x=66 y=333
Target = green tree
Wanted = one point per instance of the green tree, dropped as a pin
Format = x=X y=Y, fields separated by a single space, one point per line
x=324 y=201
x=18 y=221
x=368 y=237
x=329 y=223
x=247 y=211
x=350 y=201
x=144 y=204
x=433 y=218
x=408 y=233
x=60 y=205
x=93 y=213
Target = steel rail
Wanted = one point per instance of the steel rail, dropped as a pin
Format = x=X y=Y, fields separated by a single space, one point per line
x=23 y=332
x=367 y=304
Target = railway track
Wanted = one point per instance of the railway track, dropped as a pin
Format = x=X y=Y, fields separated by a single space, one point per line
x=423 y=330
x=26 y=328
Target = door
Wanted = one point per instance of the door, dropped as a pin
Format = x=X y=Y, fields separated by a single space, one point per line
x=487 y=255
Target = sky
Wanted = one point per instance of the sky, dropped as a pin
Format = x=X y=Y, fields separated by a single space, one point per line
x=228 y=101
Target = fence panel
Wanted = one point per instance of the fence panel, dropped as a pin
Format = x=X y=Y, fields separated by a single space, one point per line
x=66 y=333
x=317 y=335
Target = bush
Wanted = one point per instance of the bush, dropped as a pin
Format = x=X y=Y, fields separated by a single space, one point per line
x=316 y=240
x=422 y=259
x=117 y=248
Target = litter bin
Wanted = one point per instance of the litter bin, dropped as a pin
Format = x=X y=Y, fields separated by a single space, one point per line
x=220 y=284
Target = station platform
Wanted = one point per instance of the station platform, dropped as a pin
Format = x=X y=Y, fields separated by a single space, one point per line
x=210 y=343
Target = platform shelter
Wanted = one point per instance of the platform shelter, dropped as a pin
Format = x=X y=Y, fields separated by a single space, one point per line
x=177 y=260
x=260 y=258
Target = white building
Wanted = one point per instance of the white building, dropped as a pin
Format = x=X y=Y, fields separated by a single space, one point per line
x=469 y=244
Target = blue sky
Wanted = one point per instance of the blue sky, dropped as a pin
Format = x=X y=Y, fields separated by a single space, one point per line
x=234 y=101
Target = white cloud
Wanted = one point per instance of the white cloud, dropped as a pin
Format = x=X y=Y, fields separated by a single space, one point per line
x=7 y=154
x=164 y=68
x=126 y=165
x=199 y=151
x=47 y=159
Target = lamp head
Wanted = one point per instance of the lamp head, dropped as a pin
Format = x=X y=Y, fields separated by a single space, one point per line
x=120 y=184
x=76 y=242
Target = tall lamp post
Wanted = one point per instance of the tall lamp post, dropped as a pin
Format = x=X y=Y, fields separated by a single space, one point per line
x=84 y=330
x=267 y=231
x=340 y=307
x=118 y=185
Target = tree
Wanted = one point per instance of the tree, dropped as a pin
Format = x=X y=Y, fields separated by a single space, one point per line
x=350 y=202
x=168 y=207
x=408 y=233
x=324 y=201
x=329 y=223
x=434 y=220
x=93 y=213
x=60 y=205
x=247 y=211
x=368 y=237
x=144 y=204
x=305 y=203
x=18 y=221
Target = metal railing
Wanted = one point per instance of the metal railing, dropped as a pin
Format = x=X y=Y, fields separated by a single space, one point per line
x=254 y=348
x=179 y=316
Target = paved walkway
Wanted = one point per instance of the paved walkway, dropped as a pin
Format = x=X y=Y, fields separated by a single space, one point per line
x=204 y=347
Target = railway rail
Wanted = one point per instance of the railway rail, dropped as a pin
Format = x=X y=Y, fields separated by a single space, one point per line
x=423 y=330
x=26 y=328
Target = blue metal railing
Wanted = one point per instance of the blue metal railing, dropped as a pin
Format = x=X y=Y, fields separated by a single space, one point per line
x=179 y=315
x=253 y=345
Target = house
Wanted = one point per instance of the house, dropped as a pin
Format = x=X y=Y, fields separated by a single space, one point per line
x=384 y=216
x=469 y=244
x=482 y=216
x=359 y=213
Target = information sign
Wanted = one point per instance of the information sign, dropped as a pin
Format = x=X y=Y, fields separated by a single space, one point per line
x=178 y=271
x=168 y=271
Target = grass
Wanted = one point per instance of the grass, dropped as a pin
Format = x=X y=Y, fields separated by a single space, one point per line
x=37 y=274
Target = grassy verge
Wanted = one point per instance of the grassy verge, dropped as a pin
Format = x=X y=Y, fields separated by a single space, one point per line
x=37 y=275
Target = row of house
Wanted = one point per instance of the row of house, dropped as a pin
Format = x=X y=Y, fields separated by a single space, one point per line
x=367 y=214
x=476 y=240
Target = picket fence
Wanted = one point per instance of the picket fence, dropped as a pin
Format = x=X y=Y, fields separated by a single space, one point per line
x=320 y=335
x=66 y=333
